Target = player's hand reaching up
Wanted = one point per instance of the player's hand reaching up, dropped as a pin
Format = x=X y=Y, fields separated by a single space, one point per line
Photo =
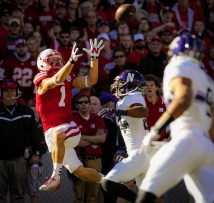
x=95 y=49
x=74 y=55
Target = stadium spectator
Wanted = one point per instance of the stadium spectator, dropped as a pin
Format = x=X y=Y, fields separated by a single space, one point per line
x=54 y=33
x=99 y=8
x=73 y=14
x=74 y=34
x=5 y=15
x=61 y=14
x=209 y=12
x=153 y=8
x=28 y=30
x=64 y=44
x=143 y=26
x=148 y=38
x=111 y=12
x=121 y=29
x=200 y=31
x=8 y=44
x=139 y=51
x=168 y=19
x=119 y=64
x=111 y=144
x=154 y=102
x=103 y=27
x=167 y=35
x=105 y=65
x=84 y=8
x=45 y=16
x=126 y=42
x=20 y=143
x=90 y=30
x=95 y=105
x=33 y=47
x=140 y=13
x=89 y=149
x=17 y=13
x=155 y=62
x=28 y=10
x=21 y=66
x=39 y=37
x=185 y=16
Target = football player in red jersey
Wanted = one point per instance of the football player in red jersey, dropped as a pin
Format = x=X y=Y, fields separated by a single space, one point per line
x=53 y=101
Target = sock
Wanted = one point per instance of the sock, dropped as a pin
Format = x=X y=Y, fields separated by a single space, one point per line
x=145 y=197
x=57 y=169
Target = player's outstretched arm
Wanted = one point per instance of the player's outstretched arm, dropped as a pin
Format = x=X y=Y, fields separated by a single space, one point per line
x=92 y=77
x=62 y=74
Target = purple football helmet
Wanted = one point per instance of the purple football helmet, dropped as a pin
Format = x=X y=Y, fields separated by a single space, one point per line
x=128 y=81
x=186 y=45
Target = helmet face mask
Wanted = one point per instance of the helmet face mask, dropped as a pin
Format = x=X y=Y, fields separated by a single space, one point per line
x=127 y=82
x=50 y=59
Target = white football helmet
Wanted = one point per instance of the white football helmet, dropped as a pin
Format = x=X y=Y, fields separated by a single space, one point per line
x=49 y=59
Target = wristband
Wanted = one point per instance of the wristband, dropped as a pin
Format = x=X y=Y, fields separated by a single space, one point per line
x=164 y=120
x=71 y=61
x=122 y=112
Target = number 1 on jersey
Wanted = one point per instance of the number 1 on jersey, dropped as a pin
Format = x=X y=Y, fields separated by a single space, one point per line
x=62 y=100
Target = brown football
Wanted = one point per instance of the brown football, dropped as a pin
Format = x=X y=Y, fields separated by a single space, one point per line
x=125 y=12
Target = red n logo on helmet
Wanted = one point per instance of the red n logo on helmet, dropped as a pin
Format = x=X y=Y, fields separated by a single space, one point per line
x=95 y=50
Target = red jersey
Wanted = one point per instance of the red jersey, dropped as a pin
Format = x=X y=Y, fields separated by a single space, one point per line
x=54 y=107
x=22 y=71
x=89 y=127
x=155 y=112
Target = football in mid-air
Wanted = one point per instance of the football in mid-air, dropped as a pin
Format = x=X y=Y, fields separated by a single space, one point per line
x=125 y=12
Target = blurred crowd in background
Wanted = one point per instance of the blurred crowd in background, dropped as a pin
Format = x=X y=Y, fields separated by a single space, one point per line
x=28 y=27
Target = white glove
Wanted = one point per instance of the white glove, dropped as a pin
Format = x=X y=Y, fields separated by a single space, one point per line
x=94 y=52
x=74 y=55
x=149 y=137
x=146 y=143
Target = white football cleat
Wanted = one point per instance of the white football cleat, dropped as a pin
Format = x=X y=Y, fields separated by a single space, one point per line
x=52 y=184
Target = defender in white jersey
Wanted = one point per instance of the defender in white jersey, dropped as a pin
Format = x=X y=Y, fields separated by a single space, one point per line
x=189 y=94
x=130 y=114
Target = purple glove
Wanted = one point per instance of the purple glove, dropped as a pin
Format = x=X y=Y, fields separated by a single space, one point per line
x=119 y=156
x=108 y=113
